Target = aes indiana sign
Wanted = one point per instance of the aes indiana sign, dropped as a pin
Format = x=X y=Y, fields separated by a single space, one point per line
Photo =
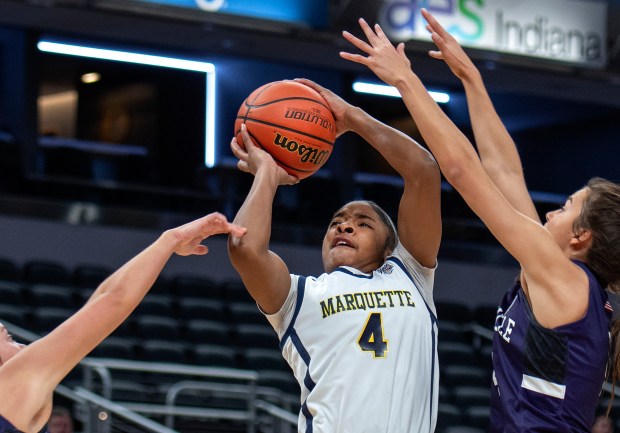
x=571 y=31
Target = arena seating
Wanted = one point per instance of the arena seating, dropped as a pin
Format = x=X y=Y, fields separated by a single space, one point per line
x=195 y=321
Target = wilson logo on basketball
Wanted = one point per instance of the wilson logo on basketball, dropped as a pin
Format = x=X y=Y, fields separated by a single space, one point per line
x=306 y=153
x=306 y=116
x=292 y=122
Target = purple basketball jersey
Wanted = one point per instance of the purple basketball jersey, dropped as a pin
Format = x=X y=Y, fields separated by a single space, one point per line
x=548 y=380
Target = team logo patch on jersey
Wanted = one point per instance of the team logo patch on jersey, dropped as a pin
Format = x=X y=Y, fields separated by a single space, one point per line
x=386 y=269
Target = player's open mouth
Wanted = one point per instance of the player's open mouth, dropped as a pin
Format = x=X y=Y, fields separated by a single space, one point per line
x=339 y=242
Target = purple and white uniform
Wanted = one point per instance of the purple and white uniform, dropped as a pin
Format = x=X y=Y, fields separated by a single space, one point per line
x=548 y=380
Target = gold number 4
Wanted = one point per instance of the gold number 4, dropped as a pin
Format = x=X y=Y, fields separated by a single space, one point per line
x=371 y=338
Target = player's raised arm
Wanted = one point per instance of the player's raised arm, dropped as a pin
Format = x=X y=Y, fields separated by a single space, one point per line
x=419 y=214
x=546 y=265
x=263 y=272
x=496 y=147
x=30 y=374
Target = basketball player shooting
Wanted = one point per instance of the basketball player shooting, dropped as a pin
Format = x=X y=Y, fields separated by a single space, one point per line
x=361 y=338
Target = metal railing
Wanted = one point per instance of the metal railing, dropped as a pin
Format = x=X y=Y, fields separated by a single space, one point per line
x=98 y=411
x=245 y=391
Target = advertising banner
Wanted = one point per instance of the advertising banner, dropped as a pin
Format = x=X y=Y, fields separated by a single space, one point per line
x=572 y=31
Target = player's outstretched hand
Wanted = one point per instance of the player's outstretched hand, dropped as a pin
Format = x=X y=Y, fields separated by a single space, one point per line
x=450 y=51
x=189 y=236
x=389 y=63
x=252 y=159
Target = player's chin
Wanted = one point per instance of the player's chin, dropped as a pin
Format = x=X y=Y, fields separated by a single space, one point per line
x=339 y=257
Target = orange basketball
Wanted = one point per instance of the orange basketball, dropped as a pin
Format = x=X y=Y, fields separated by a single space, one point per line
x=292 y=122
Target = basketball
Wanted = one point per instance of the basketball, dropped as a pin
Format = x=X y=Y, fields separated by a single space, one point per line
x=291 y=122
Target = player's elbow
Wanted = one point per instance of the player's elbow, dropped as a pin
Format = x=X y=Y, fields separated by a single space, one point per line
x=457 y=175
x=420 y=167
x=241 y=251
x=426 y=171
x=429 y=167
x=235 y=248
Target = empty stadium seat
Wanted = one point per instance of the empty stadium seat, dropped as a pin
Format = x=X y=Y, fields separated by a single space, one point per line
x=11 y=293
x=451 y=353
x=156 y=327
x=90 y=276
x=463 y=375
x=211 y=355
x=264 y=359
x=235 y=291
x=189 y=308
x=44 y=271
x=478 y=416
x=453 y=332
x=207 y=332
x=448 y=415
x=248 y=313
x=462 y=429
x=257 y=336
x=283 y=380
x=45 y=319
x=484 y=315
x=116 y=347
x=194 y=286
x=164 y=351
x=467 y=396
x=9 y=269
x=15 y=314
x=453 y=311
x=48 y=295
x=155 y=304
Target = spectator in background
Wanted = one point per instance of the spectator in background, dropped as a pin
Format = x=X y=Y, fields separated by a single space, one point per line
x=602 y=424
x=60 y=421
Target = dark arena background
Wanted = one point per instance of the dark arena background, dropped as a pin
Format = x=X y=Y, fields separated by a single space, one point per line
x=102 y=148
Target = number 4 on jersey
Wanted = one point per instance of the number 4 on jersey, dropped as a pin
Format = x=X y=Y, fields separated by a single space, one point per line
x=371 y=338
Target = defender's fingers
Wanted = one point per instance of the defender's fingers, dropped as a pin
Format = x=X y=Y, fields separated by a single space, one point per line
x=381 y=35
x=370 y=34
x=436 y=55
x=434 y=24
x=357 y=42
x=439 y=41
x=236 y=230
x=353 y=57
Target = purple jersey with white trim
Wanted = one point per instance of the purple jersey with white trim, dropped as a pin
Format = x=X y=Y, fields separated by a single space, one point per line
x=7 y=427
x=548 y=380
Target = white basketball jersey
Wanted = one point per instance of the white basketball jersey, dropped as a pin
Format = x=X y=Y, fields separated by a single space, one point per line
x=363 y=348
